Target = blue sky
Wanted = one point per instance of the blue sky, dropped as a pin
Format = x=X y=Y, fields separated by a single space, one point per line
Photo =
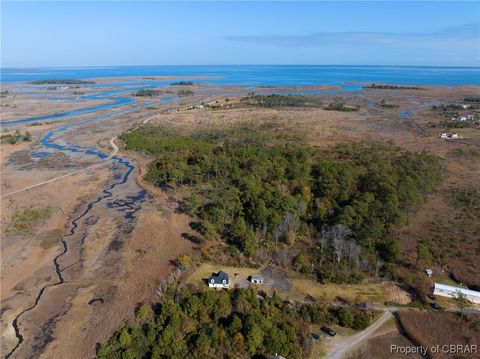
x=39 y=34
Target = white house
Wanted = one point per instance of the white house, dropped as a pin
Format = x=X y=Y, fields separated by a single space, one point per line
x=219 y=280
x=449 y=136
x=257 y=279
x=462 y=118
x=444 y=290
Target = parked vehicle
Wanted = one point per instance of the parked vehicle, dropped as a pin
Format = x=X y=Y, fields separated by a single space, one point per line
x=329 y=331
x=435 y=306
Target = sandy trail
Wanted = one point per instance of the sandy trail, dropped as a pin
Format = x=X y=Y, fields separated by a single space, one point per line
x=345 y=346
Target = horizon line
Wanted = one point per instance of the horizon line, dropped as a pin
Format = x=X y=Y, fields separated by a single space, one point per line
x=226 y=65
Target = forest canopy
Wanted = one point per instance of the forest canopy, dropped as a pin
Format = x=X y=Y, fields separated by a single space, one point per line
x=257 y=190
x=225 y=324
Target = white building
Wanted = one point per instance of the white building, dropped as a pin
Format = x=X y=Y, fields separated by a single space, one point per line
x=449 y=136
x=444 y=290
x=462 y=118
x=257 y=279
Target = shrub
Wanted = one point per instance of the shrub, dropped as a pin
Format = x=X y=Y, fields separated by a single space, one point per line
x=184 y=262
x=345 y=317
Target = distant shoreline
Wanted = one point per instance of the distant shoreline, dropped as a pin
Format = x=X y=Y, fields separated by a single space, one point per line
x=262 y=75
x=237 y=65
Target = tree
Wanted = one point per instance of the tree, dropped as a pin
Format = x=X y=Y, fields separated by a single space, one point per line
x=243 y=237
x=423 y=254
x=345 y=317
x=461 y=302
x=206 y=229
x=361 y=320
x=388 y=250
x=287 y=227
x=192 y=203
x=338 y=235
x=125 y=339
x=254 y=338
x=235 y=325
x=353 y=252
x=144 y=312
x=301 y=263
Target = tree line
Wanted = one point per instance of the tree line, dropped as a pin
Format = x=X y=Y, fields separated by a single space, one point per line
x=182 y=83
x=392 y=87
x=62 y=82
x=146 y=93
x=274 y=100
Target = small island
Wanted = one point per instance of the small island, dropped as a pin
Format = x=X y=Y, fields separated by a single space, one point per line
x=182 y=83
x=146 y=93
x=61 y=82
x=392 y=87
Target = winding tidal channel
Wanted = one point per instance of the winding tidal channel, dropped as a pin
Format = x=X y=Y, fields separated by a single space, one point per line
x=51 y=141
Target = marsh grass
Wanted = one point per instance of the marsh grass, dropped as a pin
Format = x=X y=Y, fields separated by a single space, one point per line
x=25 y=222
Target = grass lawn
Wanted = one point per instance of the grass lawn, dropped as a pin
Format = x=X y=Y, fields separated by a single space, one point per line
x=389 y=326
x=206 y=269
x=377 y=292
x=319 y=349
x=372 y=293
x=467 y=132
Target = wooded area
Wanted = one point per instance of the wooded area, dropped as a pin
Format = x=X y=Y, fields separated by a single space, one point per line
x=259 y=192
x=221 y=324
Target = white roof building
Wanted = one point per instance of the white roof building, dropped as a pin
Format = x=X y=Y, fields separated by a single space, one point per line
x=444 y=290
x=256 y=279
x=449 y=136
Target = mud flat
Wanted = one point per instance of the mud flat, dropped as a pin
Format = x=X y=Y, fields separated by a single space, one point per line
x=16 y=106
x=70 y=247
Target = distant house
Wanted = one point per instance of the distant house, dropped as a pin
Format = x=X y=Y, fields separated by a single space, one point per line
x=257 y=279
x=429 y=272
x=219 y=280
x=462 y=118
x=449 y=136
x=444 y=290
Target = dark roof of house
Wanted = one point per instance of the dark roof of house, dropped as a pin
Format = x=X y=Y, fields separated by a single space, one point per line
x=218 y=278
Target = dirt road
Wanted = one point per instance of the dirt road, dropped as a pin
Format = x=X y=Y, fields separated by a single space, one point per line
x=345 y=346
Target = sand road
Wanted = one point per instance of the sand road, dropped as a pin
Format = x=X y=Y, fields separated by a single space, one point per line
x=345 y=346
